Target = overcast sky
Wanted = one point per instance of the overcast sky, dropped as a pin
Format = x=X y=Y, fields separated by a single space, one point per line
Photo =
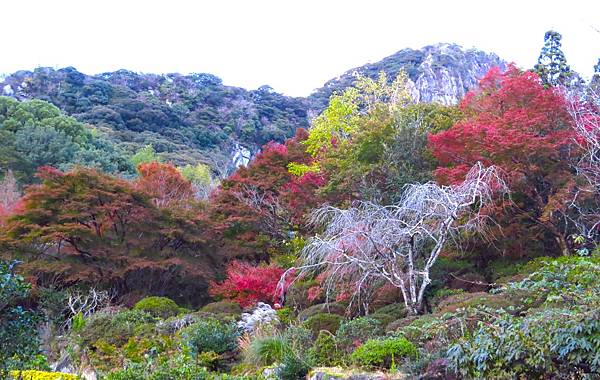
x=293 y=46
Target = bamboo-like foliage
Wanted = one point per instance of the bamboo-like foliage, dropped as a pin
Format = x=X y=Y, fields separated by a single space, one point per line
x=368 y=243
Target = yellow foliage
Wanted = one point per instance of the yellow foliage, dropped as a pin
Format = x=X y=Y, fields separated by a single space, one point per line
x=42 y=375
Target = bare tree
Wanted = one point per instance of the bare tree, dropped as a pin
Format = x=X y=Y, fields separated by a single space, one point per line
x=400 y=243
x=273 y=217
x=85 y=303
x=586 y=122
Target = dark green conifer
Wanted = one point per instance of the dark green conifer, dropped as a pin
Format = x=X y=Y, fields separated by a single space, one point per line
x=552 y=65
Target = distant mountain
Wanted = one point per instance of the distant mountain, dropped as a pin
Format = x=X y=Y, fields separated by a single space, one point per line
x=195 y=118
x=441 y=73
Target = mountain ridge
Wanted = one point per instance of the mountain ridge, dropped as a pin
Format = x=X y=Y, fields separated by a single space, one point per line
x=196 y=118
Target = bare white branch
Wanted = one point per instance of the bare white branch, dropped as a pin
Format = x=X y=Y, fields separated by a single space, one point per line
x=400 y=243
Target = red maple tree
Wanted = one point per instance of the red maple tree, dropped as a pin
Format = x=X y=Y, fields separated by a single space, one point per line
x=514 y=122
x=247 y=284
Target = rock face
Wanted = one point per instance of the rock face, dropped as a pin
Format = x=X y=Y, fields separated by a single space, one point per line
x=441 y=73
x=261 y=315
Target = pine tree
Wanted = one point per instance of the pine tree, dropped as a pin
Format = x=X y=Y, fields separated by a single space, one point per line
x=552 y=65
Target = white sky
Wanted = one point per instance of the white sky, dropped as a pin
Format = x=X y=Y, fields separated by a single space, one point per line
x=293 y=46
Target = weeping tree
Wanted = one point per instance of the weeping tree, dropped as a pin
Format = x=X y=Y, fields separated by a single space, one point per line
x=367 y=244
x=586 y=123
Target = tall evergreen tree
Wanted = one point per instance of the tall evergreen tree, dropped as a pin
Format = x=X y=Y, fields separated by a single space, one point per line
x=552 y=65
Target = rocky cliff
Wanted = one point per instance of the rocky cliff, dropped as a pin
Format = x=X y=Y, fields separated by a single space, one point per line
x=440 y=73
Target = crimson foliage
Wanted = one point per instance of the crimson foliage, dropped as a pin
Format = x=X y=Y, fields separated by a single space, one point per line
x=247 y=284
x=513 y=122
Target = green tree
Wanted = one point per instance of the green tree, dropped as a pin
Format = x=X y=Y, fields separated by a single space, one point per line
x=45 y=146
x=552 y=64
x=144 y=156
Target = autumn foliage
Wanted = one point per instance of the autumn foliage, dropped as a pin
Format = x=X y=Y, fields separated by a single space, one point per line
x=258 y=205
x=165 y=184
x=513 y=122
x=247 y=284
x=85 y=226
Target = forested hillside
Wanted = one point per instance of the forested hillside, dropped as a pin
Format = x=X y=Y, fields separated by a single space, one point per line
x=399 y=235
x=186 y=119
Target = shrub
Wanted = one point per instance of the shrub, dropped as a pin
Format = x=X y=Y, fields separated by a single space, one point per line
x=330 y=308
x=383 y=352
x=248 y=285
x=266 y=350
x=292 y=367
x=323 y=321
x=211 y=335
x=397 y=310
x=547 y=342
x=18 y=335
x=117 y=328
x=161 y=307
x=563 y=337
x=222 y=307
x=285 y=315
x=180 y=367
x=352 y=334
x=325 y=350
x=384 y=319
x=41 y=375
x=298 y=337
x=465 y=300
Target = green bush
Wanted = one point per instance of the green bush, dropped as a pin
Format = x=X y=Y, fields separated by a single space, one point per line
x=398 y=310
x=178 y=368
x=325 y=350
x=285 y=315
x=562 y=336
x=383 y=353
x=352 y=334
x=463 y=300
x=323 y=321
x=384 y=319
x=266 y=350
x=222 y=307
x=211 y=335
x=329 y=308
x=161 y=307
x=546 y=342
x=293 y=367
x=116 y=329
x=298 y=337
